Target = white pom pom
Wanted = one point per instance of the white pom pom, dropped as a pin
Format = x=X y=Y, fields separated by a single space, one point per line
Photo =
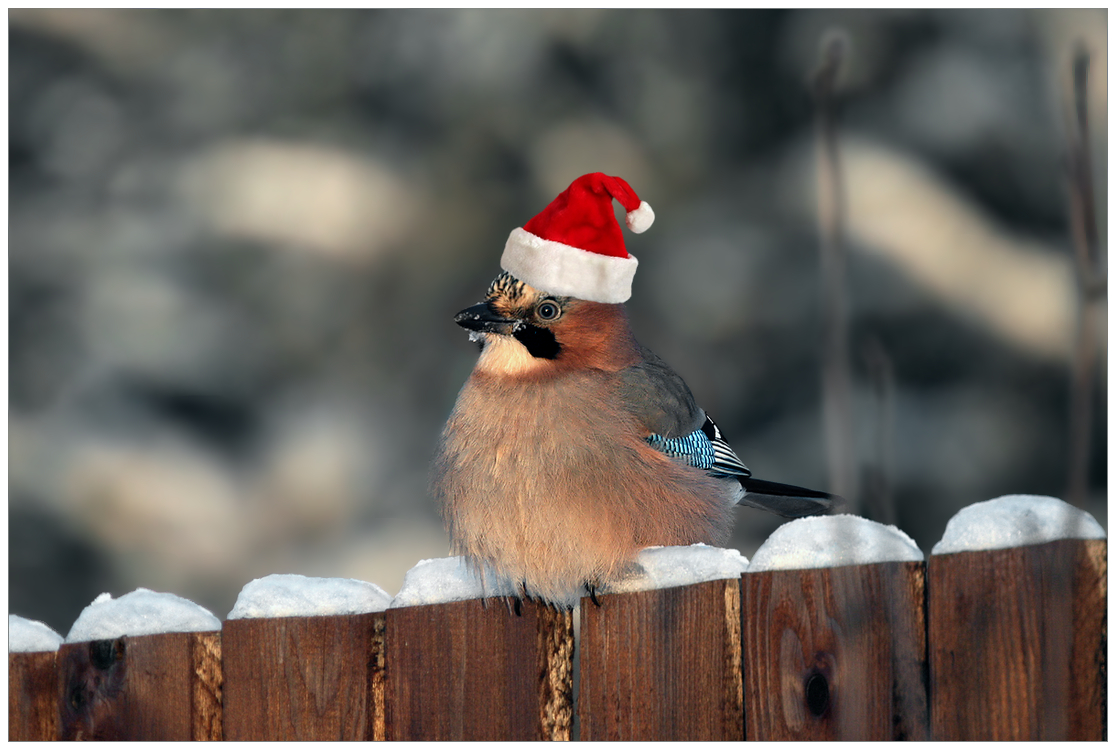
x=640 y=220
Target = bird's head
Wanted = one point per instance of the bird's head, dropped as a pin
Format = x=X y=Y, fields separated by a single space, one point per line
x=524 y=331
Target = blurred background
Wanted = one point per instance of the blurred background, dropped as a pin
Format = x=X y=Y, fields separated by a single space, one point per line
x=237 y=240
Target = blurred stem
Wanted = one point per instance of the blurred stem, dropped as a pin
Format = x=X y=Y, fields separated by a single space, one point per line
x=877 y=476
x=1090 y=281
x=836 y=378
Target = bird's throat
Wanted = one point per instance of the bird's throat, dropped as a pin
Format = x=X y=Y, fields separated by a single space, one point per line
x=508 y=356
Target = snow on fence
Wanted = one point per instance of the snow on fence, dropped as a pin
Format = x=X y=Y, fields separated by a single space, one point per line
x=1001 y=636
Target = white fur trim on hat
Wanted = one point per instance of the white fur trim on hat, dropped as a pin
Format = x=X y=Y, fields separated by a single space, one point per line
x=641 y=219
x=566 y=270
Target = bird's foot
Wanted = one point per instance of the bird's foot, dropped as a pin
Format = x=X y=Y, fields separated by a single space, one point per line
x=518 y=598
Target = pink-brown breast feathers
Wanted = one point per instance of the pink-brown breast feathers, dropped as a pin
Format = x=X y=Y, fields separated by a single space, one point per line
x=552 y=483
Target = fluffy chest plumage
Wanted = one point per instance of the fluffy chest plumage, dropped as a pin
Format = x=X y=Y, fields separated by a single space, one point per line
x=552 y=483
x=523 y=435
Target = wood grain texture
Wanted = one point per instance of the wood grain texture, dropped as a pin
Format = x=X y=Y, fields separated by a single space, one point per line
x=376 y=681
x=663 y=665
x=835 y=653
x=1018 y=642
x=33 y=696
x=300 y=678
x=139 y=688
x=554 y=653
x=207 y=686
x=477 y=670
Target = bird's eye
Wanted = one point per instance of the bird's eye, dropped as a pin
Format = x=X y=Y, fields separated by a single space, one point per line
x=547 y=310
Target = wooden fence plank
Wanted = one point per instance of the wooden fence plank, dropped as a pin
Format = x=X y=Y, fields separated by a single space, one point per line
x=477 y=670
x=151 y=687
x=33 y=696
x=1017 y=642
x=835 y=653
x=302 y=678
x=663 y=665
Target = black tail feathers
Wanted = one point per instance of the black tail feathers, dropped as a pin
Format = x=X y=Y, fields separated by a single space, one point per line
x=786 y=500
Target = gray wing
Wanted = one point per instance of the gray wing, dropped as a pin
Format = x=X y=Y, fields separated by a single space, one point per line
x=659 y=398
x=678 y=427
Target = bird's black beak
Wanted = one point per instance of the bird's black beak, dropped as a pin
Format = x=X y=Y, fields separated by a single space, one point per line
x=481 y=317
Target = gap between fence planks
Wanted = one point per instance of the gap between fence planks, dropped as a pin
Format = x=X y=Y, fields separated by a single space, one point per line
x=835 y=653
x=1018 y=642
x=663 y=665
x=478 y=670
x=164 y=687
x=304 y=678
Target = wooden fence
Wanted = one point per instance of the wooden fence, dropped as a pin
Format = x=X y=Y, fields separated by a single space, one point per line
x=998 y=645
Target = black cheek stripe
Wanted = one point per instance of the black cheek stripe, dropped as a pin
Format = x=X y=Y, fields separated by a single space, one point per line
x=540 y=342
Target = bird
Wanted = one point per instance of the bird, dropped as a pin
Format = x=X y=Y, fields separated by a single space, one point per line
x=571 y=446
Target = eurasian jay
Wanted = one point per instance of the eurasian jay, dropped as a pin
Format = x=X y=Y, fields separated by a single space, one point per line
x=571 y=446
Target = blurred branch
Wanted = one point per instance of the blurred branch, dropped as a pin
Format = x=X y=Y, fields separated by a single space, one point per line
x=878 y=500
x=836 y=378
x=1091 y=282
x=1083 y=217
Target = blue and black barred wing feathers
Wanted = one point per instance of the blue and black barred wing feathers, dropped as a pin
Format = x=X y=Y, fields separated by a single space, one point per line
x=706 y=449
x=703 y=449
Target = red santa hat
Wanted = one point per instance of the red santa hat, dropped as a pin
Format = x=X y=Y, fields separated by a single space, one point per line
x=574 y=247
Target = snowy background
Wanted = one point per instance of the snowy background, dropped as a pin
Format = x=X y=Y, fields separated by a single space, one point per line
x=237 y=241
